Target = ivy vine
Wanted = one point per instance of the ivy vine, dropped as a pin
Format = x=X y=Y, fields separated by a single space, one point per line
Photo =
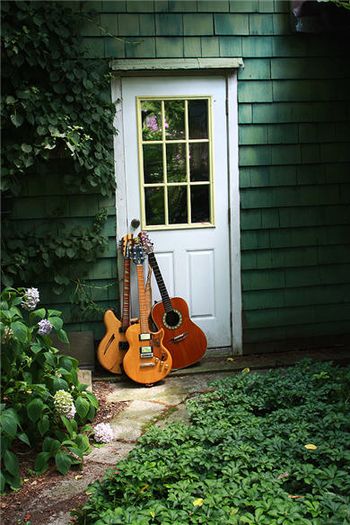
x=54 y=107
x=53 y=99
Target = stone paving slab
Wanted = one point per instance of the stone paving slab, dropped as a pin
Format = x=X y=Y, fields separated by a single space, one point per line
x=129 y=424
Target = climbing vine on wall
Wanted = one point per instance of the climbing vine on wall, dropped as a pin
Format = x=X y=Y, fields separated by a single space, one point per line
x=54 y=107
x=52 y=98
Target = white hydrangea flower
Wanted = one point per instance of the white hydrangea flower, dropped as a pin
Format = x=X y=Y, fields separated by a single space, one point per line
x=30 y=299
x=72 y=412
x=45 y=327
x=64 y=404
x=103 y=433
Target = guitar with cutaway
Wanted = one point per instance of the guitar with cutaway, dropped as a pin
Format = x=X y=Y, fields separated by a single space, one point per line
x=112 y=348
x=184 y=339
x=147 y=361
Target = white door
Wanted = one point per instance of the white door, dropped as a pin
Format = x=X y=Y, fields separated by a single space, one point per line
x=176 y=185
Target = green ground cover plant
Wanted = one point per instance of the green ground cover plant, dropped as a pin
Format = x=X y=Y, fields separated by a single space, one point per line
x=264 y=449
x=44 y=408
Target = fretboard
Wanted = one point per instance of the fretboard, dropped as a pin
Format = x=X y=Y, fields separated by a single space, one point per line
x=160 y=282
x=126 y=295
x=143 y=304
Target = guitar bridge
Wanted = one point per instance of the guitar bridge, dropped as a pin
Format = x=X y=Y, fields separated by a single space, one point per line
x=147 y=365
x=179 y=337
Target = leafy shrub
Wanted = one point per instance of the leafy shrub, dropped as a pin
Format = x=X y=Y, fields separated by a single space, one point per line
x=34 y=375
x=264 y=449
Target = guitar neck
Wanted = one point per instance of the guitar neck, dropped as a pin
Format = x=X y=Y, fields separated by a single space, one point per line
x=126 y=295
x=160 y=282
x=143 y=304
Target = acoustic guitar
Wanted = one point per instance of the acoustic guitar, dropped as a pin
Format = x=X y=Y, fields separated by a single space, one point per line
x=147 y=361
x=184 y=339
x=112 y=348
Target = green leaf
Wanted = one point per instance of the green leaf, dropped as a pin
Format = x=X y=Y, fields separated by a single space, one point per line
x=34 y=409
x=60 y=252
x=41 y=312
x=27 y=148
x=20 y=331
x=42 y=462
x=41 y=130
x=17 y=119
x=55 y=313
x=44 y=425
x=61 y=279
x=63 y=462
x=11 y=463
x=59 y=384
x=62 y=336
x=70 y=424
x=36 y=348
x=66 y=363
x=10 y=100
x=82 y=406
x=9 y=422
x=50 y=359
x=24 y=438
x=2 y=482
x=56 y=322
x=51 y=445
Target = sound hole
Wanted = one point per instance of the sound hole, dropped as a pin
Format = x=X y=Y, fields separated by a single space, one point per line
x=172 y=319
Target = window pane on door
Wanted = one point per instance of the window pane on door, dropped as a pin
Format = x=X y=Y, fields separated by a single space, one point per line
x=199 y=161
x=198 y=119
x=151 y=120
x=154 y=205
x=177 y=204
x=176 y=162
x=174 y=122
x=200 y=204
x=152 y=163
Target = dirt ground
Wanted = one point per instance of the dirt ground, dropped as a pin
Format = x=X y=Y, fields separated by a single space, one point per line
x=13 y=505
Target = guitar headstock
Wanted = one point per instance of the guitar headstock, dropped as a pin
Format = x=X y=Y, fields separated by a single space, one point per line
x=125 y=245
x=137 y=252
x=146 y=242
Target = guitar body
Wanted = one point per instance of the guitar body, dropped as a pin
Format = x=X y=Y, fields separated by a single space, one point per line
x=185 y=341
x=112 y=347
x=146 y=370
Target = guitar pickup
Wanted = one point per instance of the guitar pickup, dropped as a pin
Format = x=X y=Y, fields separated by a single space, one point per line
x=146 y=352
x=144 y=337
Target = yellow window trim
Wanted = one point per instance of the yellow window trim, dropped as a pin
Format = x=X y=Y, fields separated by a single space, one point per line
x=187 y=141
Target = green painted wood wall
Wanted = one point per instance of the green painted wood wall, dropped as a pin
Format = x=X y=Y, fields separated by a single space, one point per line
x=294 y=155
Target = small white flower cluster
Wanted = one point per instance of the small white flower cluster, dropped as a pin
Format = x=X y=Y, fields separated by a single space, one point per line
x=30 y=299
x=45 y=327
x=103 y=433
x=7 y=334
x=64 y=404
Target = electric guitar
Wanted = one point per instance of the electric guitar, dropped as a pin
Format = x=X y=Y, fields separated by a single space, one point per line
x=185 y=341
x=147 y=361
x=112 y=348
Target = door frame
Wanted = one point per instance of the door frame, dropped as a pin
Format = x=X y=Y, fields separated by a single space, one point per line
x=230 y=73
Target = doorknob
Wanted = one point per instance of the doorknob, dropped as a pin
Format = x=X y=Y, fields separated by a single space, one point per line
x=135 y=223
